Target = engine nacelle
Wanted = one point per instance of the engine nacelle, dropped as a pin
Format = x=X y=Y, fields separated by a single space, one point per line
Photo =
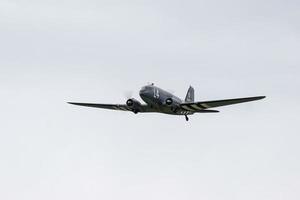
x=134 y=105
x=169 y=101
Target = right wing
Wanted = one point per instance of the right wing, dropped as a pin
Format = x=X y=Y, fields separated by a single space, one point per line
x=203 y=105
x=122 y=107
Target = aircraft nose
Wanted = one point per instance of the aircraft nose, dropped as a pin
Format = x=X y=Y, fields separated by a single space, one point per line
x=143 y=93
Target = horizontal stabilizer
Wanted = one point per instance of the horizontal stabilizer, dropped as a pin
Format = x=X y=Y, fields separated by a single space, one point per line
x=208 y=111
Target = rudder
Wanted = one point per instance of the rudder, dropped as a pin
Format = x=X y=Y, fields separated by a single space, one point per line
x=190 y=96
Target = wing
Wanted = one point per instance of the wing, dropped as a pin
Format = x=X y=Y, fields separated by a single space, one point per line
x=202 y=105
x=142 y=108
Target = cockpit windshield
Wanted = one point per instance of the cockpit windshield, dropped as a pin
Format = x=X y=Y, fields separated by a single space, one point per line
x=147 y=87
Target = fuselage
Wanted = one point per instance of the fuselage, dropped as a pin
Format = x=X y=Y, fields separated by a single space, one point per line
x=161 y=100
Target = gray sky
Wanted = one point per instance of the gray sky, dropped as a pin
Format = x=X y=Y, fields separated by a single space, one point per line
x=94 y=51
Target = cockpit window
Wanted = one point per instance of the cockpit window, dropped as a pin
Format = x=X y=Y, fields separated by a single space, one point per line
x=146 y=88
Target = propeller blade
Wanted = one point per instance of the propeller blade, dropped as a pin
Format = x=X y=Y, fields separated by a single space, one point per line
x=128 y=94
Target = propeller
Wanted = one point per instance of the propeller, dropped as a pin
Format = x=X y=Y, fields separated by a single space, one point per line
x=128 y=94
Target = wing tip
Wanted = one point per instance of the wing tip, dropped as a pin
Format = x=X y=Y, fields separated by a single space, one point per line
x=77 y=104
x=254 y=98
x=260 y=97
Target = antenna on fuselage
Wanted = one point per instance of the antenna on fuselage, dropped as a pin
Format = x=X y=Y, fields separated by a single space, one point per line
x=150 y=83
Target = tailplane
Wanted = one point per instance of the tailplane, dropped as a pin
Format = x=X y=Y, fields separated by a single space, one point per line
x=190 y=96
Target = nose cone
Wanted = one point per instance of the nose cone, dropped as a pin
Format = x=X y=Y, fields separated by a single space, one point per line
x=143 y=93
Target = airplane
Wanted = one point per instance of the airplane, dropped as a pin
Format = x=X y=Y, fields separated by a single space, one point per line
x=158 y=100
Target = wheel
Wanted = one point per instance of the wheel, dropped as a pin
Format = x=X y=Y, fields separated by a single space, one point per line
x=186 y=118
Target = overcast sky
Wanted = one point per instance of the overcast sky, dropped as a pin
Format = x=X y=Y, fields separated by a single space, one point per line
x=94 y=51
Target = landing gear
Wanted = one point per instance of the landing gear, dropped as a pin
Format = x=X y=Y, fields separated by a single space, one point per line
x=186 y=118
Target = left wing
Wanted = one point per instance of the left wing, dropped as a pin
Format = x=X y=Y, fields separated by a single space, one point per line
x=202 y=105
x=122 y=107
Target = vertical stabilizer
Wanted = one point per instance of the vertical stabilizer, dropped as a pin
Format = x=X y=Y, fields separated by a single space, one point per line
x=190 y=96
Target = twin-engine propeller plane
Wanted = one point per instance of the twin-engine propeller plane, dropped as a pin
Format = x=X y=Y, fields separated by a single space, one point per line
x=161 y=101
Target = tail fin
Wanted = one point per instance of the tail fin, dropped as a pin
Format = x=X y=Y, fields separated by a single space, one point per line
x=190 y=96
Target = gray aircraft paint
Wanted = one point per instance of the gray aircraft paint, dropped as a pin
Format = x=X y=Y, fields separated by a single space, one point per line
x=161 y=101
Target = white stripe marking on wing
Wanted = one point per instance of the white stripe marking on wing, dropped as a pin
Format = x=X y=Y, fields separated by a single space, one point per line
x=196 y=107
x=187 y=108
